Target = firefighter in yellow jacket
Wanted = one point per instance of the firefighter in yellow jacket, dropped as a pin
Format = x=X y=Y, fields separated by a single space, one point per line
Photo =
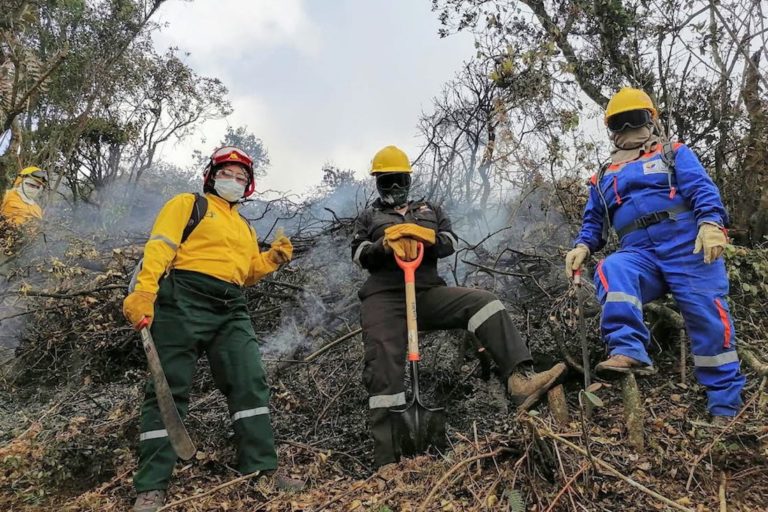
x=191 y=287
x=20 y=202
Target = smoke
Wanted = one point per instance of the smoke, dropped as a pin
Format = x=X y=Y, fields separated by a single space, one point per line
x=527 y=221
x=328 y=306
x=74 y=242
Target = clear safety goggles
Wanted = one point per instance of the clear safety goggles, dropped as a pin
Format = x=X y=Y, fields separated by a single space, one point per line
x=630 y=119
x=234 y=173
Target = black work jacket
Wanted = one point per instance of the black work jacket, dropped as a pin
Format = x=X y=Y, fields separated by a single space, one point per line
x=368 y=245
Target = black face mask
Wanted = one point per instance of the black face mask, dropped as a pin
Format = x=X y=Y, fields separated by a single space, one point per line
x=630 y=119
x=393 y=187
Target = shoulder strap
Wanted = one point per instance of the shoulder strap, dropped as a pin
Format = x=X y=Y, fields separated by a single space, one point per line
x=668 y=155
x=199 y=209
x=603 y=169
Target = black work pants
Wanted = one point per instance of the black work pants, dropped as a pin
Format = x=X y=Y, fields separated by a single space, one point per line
x=440 y=307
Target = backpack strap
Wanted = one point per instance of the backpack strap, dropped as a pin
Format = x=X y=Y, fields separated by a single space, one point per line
x=595 y=182
x=668 y=157
x=199 y=209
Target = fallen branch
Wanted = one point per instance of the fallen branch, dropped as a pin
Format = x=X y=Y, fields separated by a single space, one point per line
x=212 y=491
x=506 y=273
x=286 y=285
x=317 y=353
x=330 y=451
x=721 y=493
x=438 y=487
x=566 y=487
x=615 y=472
x=346 y=493
x=68 y=295
x=314 y=355
x=716 y=439
x=752 y=360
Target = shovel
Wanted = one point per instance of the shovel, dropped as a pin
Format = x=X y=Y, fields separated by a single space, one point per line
x=416 y=427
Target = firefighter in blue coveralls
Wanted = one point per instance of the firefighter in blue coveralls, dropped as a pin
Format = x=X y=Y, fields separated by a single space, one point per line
x=670 y=221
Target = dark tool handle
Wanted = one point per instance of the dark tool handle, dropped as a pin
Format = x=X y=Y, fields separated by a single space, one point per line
x=409 y=268
x=585 y=351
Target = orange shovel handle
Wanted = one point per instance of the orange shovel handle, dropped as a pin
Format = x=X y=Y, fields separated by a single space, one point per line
x=409 y=268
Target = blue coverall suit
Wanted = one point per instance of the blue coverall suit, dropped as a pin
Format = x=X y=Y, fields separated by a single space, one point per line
x=658 y=258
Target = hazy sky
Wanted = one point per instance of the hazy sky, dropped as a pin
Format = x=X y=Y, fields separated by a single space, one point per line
x=317 y=80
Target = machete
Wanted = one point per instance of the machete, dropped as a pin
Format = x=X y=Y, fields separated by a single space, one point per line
x=177 y=434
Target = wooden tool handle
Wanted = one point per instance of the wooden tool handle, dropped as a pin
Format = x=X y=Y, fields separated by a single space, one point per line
x=409 y=269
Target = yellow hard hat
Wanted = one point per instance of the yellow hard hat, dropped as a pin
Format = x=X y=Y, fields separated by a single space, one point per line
x=35 y=172
x=390 y=159
x=629 y=98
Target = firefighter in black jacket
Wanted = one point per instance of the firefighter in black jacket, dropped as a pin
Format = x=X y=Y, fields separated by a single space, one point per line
x=394 y=224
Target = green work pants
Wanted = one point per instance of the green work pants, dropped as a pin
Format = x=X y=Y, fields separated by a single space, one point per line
x=196 y=314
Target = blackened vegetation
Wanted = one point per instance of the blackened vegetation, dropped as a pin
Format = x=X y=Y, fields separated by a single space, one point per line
x=70 y=398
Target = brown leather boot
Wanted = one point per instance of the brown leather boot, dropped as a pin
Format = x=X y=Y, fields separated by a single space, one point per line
x=526 y=387
x=149 y=501
x=624 y=364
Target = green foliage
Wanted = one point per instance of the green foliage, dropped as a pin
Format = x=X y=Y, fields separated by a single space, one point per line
x=514 y=500
x=550 y=55
x=748 y=275
x=591 y=397
x=106 y=108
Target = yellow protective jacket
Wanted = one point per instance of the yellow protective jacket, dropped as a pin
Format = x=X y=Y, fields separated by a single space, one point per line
x=19 y=210
x=223 y=245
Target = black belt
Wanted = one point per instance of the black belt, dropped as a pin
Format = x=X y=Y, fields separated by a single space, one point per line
x=651 y=219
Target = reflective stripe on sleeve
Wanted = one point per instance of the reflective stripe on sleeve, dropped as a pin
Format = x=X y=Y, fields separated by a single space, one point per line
x=715 y=361
x=624 y=297
x=382 y=401
x=165 y=239
x=484 y=314
x=249 y=412
x=153 y=434
x=359 y=251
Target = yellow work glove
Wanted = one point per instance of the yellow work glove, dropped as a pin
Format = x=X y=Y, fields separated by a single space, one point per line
x=575 y=259
x=281 y=249
x=138 y=305
x=406 y=249
x=712 y=240
x=414 y=231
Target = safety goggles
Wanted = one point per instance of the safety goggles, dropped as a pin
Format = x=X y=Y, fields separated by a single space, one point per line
x=235 y=173
x=231 y=154
x=629 y=119
x=40 y=175
x=390 y=180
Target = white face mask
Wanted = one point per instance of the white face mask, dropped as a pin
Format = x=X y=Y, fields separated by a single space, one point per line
x=229 y=189
x=31 y=188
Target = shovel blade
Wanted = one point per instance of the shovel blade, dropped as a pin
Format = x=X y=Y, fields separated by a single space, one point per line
x=416 y=428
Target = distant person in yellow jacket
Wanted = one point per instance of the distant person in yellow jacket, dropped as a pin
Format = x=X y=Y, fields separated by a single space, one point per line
x=191 y=289
x=20 y=202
